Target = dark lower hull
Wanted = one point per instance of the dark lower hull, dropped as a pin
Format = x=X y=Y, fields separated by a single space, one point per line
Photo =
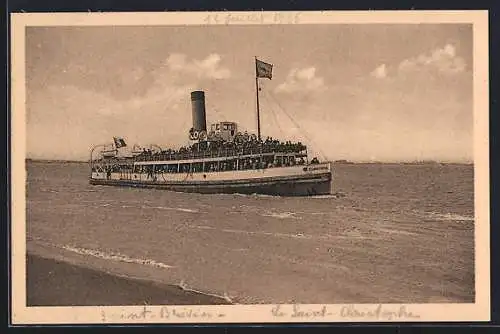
x=301 y=187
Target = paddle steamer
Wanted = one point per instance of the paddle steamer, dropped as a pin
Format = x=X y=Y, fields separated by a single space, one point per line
x=219 y=160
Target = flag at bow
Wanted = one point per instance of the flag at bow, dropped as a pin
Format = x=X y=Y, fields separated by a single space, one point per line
x=119 y=142
x=264 y=70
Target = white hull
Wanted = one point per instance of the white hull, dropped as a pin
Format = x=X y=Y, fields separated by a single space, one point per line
x=300 y=180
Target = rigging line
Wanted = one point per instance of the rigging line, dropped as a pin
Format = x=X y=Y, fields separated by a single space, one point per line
x=323 y=155
x=286 y=113
x=275 y=117
x=306 y=134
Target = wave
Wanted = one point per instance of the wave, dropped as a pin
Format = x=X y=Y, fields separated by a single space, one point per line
x=45 y=190
x=265 y=196
x=185 y=210
x=182 y=285
x=394 y=231
x=330 y=196
x=254 y=195
x=169 y=208
x=281 y=215
x=303 y=236
x=274 y=234
x=115 y=257
x=275 y=214
x=204 y=227
x=160 y=208
x=447 y=216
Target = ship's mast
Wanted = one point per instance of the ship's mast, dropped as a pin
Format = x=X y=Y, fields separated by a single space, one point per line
x=257 y=94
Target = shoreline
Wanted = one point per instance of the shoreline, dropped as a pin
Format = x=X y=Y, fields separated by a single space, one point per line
x=52 y=282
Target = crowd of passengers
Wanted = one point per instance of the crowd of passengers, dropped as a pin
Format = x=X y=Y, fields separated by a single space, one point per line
x=224 y=148
x=212 y=166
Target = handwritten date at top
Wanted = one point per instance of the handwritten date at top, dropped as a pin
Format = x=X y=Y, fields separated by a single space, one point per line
x=255 y=17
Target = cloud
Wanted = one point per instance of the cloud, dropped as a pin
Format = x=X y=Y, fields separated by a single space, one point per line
x=65 y=111
x=391 y=122
x=301 y=80
x=133 y=75
x=65 y=121
x=444 y=60
x=380 y=72
x=206 y=68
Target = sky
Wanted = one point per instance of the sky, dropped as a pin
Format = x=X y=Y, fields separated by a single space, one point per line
x=361 y=92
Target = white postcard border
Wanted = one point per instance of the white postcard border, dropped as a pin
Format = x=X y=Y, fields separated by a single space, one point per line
x=478 y=311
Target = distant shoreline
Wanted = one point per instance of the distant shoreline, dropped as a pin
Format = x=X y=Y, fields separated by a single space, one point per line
x=57 y=161
x=335 y=162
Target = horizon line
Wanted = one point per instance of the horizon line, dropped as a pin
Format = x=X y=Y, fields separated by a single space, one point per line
x=337 y=161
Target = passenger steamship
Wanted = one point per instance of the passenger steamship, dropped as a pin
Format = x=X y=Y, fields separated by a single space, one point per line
x=220 y=160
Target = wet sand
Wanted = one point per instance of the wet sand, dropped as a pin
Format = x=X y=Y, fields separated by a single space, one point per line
x=56 y=283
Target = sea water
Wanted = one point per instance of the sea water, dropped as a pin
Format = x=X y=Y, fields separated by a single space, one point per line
x=388 y=233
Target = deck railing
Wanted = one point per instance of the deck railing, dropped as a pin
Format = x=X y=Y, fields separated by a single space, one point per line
x=205 y=154
x=189 y=154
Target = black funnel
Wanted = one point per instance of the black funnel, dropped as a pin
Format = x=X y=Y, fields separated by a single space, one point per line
x=199 y=114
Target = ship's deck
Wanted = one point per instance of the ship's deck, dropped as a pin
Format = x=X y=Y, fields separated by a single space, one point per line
x=201 y=155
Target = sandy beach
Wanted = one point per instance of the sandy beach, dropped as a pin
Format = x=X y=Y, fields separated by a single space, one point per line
x=57 y=283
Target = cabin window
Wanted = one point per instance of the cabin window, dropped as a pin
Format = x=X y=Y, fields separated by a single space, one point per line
x=267 y=162
x=186 y=168
x=228 y=165
x=247 y=163
x=231 y=164
x=211 y=166
x=197 y=167
x=226 y=127
x=218 y=126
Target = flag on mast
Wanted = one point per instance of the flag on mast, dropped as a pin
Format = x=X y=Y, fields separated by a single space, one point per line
x=119 y=142
x=263 y=70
